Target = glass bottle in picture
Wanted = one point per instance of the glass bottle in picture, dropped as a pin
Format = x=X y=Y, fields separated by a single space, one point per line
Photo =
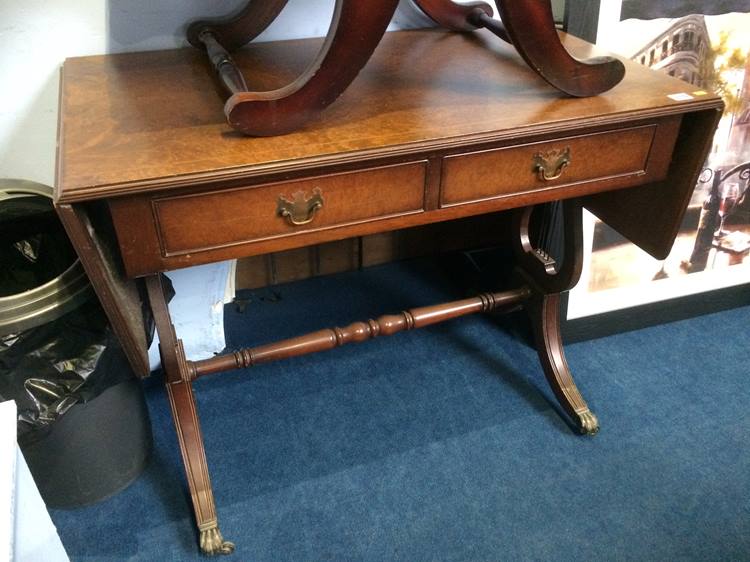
x=729 y=191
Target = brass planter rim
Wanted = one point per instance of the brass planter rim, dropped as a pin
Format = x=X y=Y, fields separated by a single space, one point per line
x=48 y=301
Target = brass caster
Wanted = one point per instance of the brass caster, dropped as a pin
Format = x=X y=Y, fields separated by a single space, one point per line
x=587 y=423
x=213 y=543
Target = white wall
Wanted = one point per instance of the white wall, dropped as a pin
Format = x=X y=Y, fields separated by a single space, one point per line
x=37 y=35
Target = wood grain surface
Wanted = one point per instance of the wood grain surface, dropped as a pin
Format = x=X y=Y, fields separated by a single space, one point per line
x=149 y=121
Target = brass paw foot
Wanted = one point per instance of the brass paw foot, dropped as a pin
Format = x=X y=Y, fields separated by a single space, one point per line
x=213 y=543
x=587 y=423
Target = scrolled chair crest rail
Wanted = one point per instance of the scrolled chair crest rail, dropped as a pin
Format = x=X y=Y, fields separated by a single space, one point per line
x=356 y=29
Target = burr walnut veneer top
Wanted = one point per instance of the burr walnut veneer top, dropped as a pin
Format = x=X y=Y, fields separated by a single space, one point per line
x=141 y=122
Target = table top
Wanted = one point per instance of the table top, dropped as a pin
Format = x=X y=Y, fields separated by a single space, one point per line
x=137 y=122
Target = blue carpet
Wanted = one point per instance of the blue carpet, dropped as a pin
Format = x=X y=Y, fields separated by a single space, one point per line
x=446 y=443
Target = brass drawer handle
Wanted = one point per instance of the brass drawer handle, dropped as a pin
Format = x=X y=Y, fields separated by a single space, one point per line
x=550 y=165
x=300 y=210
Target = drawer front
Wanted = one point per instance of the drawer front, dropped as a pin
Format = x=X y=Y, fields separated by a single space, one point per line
x=218 y=219
x=621 y=158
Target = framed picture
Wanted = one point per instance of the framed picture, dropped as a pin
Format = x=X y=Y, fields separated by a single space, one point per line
x=707 y=45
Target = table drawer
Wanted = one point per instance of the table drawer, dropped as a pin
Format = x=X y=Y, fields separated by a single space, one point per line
x=185 y=225
x=620 y=157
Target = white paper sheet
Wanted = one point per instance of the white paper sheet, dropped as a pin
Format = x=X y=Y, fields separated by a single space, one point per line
x=197 y=309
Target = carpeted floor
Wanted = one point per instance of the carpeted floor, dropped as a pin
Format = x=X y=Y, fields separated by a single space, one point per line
x=445 y=444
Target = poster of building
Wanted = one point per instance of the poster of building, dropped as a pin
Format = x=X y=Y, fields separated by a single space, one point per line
x=712 y=250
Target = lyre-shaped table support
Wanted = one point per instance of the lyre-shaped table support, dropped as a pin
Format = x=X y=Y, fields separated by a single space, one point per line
x=356 y=29
x=548 y=276
x=538 y=291
x=185 y=416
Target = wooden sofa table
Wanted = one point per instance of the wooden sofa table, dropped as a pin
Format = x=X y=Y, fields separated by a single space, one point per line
x=438 y=126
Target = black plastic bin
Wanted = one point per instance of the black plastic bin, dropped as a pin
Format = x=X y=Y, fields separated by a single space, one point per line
x=83 y=424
